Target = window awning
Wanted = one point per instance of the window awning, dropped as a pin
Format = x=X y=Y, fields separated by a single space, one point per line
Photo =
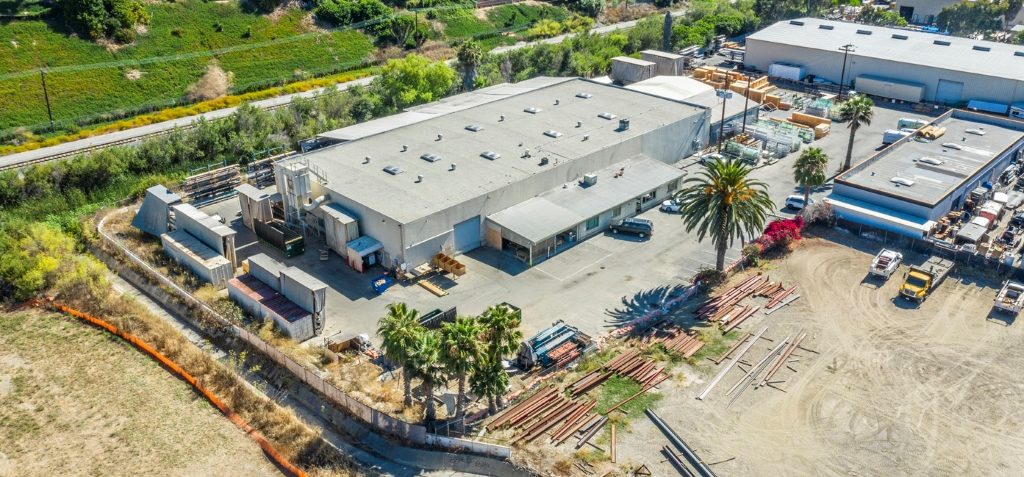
x=877 y=216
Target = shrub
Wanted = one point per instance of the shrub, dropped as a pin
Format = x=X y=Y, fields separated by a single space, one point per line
x=105 y=18
x=709 y=278
x=780 y=233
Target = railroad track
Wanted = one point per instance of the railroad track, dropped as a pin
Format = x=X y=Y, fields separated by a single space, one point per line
x=119 y=142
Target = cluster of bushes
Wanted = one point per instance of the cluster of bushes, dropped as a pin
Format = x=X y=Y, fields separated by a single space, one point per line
x=346 y=12
x=105 y=19
x=548 y=28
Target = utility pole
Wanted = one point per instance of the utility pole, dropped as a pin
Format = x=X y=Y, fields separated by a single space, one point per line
x=725 y=93
x=846 y=49
x=46 y=96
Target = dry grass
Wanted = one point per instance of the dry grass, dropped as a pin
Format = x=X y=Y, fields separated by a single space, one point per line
x=215 y=83
x=85 y=403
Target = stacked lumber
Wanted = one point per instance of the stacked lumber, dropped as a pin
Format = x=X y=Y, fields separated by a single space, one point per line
x=716 y=308
x=681 y=342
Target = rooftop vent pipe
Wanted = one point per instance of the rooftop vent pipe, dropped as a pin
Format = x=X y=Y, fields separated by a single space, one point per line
x=367 y=160
x=586 y=137
x=452 y=168
x=419 y=179
x=556 y=102
x=440 y=136
x=579 y=124
x=501 y=118
x=405 y=147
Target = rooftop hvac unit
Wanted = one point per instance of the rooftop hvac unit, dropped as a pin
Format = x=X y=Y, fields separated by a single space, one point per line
x=589 y=180
x=490 y=155
x=623 y=124
x=393 y=170
x=430 y=157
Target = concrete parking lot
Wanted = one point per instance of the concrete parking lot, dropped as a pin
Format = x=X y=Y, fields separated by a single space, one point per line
x=591 y=285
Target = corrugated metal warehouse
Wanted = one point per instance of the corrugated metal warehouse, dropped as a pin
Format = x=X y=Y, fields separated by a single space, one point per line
x=426 y=180
x=908 y=186
x=893 y=63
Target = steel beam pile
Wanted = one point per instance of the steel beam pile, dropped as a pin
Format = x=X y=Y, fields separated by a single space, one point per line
x=681 y=342
x=546 y=412
x=629 y=364
x=716 y=308
x=783 y=358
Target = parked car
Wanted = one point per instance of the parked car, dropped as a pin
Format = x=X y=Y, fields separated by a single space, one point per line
x=671 y=205
x=1017 y=220
x=796 y=202
x=640 y=227
x=1014 y=199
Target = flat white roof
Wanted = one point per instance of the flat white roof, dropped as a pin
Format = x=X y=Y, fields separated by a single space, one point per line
x=558 y=209
x=989 y=58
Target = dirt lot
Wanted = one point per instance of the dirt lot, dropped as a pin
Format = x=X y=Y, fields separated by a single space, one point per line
x=75 y=401
x=893 y=389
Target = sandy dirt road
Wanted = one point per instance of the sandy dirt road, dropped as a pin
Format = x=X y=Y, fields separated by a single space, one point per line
x=893 y=388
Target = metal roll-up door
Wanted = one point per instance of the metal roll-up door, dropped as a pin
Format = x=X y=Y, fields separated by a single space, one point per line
x=467 y=235
x=949 y=92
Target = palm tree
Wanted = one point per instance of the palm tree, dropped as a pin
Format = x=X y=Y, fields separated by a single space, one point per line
x=856 y=110
x=501 y=337
x=460 y=348
x=397 y=331
x=424 y=355
x=722 y=203
x=469 y=54
x=810 y=170
x=490 y=380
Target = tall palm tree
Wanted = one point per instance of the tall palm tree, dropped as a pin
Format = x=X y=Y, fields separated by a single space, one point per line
x=501 y=337
x=857 y=111
x=721 y=202
x=810 y=170
x=424 y=358
x=397 y=330
x=460 y=348
x=490 y=380
x=469 y=54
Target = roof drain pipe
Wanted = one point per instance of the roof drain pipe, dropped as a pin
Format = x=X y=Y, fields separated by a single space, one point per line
x=698 y=464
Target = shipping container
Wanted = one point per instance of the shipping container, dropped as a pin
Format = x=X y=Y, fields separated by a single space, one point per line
x=787 y=71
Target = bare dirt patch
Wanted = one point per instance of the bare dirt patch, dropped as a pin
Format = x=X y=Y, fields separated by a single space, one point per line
x=893 y=388
x=133 y=74
x=84 y=403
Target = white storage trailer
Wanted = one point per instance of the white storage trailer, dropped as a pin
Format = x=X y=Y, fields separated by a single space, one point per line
x=787 y=71
x=889 y=88
x=203 y=261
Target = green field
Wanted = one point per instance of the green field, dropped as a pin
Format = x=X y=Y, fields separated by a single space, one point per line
x=173 y=53
x=89 y=83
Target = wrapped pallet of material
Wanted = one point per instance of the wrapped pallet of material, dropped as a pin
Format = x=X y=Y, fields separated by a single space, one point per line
x=808 y=120
x=821 y=130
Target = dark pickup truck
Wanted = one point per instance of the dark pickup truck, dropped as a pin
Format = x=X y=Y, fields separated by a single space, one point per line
x=639 y=227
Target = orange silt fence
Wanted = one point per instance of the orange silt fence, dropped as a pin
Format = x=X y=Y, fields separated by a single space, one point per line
x=279 y=460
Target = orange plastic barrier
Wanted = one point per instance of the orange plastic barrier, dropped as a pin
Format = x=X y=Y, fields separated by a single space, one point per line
x=268 y=449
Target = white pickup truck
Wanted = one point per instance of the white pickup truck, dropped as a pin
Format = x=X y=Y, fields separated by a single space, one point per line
x=885 y=263
x=1010 y=297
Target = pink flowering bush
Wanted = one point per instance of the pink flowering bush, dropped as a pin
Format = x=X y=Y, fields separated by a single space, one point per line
x=780 y=233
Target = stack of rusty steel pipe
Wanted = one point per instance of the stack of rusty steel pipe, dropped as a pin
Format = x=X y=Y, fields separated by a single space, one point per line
x=679 y=341
x=717 y=307
x=629 y=364
x=783 y=358
x=542 y=412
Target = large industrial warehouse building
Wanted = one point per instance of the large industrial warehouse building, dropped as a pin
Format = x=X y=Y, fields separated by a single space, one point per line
x=891 y=63
x=529 y=168
x=908 y=186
